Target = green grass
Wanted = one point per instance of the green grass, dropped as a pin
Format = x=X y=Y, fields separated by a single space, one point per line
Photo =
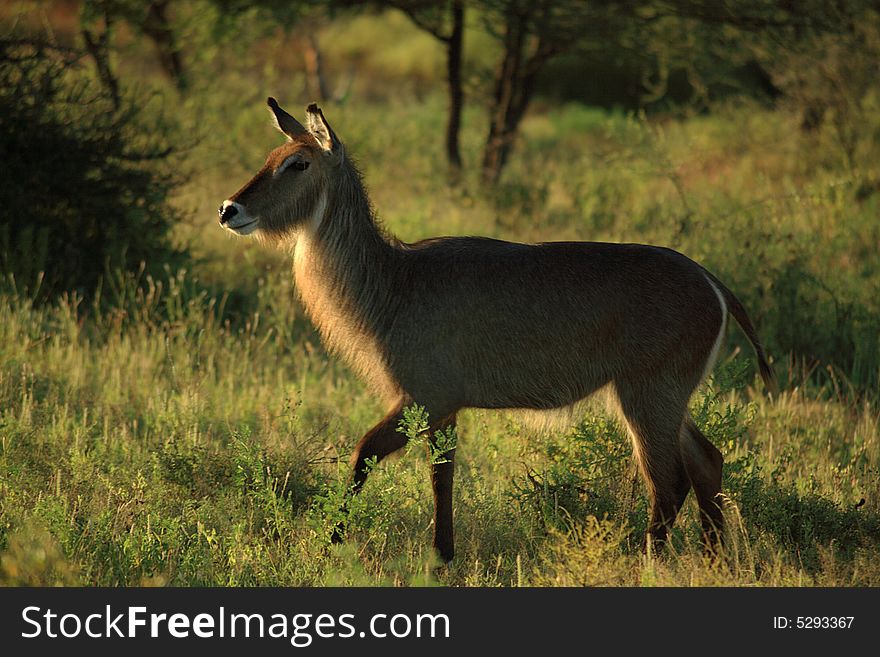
x=163 y=446
x=190 y=429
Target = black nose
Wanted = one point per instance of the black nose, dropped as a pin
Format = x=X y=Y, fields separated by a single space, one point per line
x=227 y=213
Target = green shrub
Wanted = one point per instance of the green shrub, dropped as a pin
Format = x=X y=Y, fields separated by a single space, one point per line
x=85 y=185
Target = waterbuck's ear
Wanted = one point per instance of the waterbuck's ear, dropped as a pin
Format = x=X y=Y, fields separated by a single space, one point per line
x=284 y=121
x=321 y=130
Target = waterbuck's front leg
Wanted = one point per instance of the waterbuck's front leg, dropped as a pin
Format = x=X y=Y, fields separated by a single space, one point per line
x=442 y=455
x=384 y=439
x=380 y=441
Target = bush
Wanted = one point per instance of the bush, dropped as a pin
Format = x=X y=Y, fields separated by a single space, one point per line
x=85 y=184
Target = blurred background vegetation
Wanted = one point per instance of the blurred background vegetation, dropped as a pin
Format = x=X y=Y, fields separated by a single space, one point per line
x=745 y=134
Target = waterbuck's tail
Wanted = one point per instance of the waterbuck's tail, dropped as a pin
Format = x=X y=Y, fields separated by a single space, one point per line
x=736 y=309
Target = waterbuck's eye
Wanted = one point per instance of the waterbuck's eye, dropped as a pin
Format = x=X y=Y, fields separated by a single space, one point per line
x=291 y=163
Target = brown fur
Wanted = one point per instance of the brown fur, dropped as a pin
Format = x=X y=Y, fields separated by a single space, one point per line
x=456 y=322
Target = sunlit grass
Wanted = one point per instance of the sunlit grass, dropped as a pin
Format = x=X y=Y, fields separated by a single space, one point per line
x=196 y=453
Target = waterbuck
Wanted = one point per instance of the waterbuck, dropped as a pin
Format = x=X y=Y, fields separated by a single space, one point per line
x=456 y=322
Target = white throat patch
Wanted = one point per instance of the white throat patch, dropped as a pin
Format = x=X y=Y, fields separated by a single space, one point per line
x=318 y=213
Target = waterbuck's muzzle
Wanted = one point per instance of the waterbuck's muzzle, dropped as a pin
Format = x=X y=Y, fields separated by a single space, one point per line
x=234 y=217
x=227 y=212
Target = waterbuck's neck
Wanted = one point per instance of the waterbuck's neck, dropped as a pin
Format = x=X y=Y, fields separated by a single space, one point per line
x=348 y=228
x=344 y=267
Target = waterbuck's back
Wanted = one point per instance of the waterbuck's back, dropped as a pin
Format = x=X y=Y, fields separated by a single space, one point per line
x=494 y=324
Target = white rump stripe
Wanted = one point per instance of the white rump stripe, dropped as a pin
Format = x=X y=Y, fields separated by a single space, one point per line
x=713 y=355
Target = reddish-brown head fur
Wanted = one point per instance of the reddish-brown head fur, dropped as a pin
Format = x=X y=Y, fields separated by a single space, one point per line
x=290 y=189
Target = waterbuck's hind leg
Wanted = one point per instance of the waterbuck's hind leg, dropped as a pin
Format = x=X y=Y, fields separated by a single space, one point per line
x=380 y=441
x=442 y=468
x=704 y=462
x=653 y=415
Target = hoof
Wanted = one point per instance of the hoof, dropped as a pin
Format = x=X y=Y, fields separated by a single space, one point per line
x=443 y=560
x=442 y=568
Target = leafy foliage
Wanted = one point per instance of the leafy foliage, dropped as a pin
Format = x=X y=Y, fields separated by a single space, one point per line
x=85 y=187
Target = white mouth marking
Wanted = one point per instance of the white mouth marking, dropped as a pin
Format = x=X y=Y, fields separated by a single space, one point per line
x=241 y=223
x=244 y=229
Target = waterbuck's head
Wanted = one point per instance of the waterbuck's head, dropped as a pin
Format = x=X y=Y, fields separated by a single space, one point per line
x=291 y=189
